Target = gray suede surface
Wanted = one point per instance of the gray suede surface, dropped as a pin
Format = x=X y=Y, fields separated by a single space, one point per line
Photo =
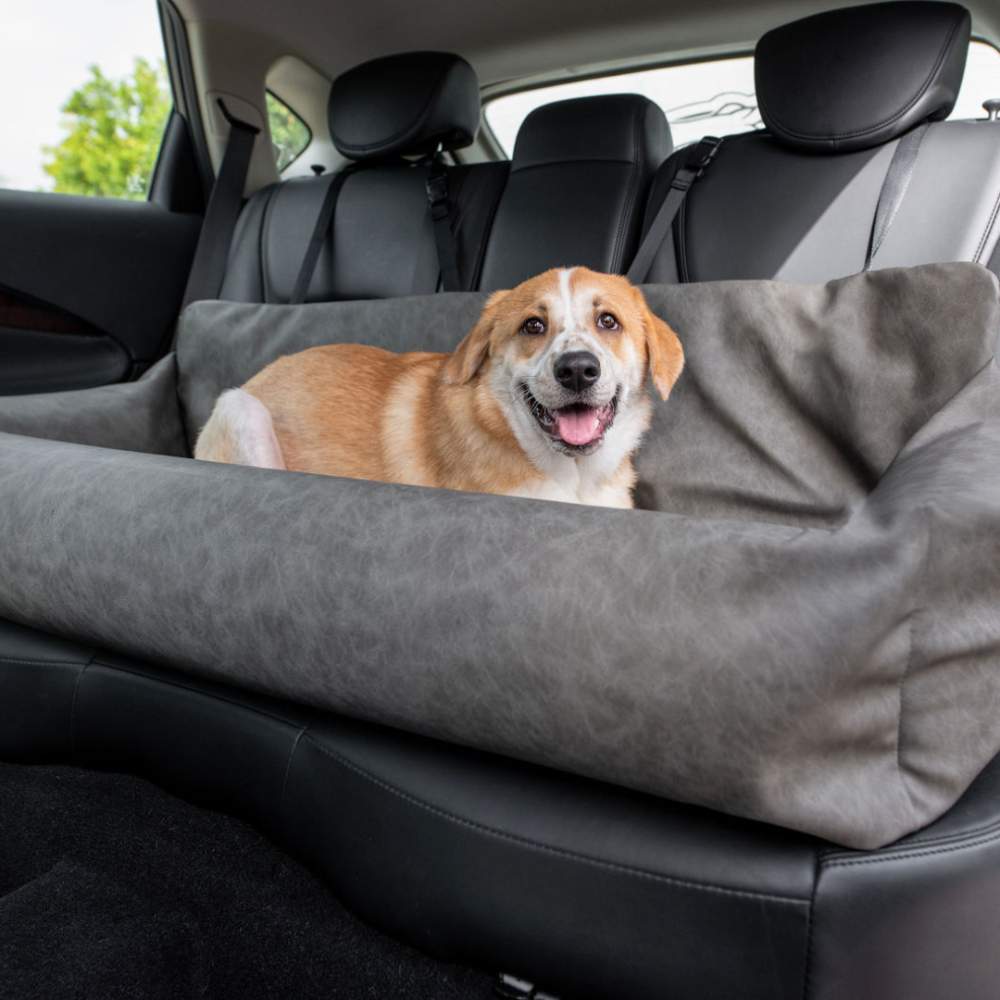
x=133 y=416
x=808 y=635
x=794 y=400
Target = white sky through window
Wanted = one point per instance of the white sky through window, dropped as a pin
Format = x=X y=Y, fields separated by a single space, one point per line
x=46 y=47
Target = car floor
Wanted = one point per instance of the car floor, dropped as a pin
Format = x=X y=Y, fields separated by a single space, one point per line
x=110 y=887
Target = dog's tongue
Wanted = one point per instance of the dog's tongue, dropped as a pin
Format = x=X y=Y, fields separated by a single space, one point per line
x=578 y=425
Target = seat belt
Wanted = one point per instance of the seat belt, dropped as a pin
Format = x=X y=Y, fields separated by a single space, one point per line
x=444 y=238
x=698 y=160
x=208 y=269
x=323 y=222
x=897 y=180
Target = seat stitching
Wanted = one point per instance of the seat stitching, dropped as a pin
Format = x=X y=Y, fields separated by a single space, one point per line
x=810 y=934
x=618 y=247
x=546 y=848
x=989 y=228
x=906 y=855
x=878 y=125
x=288 y=766
x=73 y=704
x=204 y=694
x=46 y=663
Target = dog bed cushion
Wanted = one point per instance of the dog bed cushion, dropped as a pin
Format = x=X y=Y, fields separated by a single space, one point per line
x=805 y=631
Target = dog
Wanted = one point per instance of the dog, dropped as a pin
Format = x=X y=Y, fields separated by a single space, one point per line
x=546 y=398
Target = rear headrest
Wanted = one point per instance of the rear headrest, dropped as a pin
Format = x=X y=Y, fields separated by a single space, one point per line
x=858 y=77
x=404 y=104
x=619 y=127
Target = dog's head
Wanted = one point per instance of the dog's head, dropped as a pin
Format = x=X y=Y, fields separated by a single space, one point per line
x=567 y=355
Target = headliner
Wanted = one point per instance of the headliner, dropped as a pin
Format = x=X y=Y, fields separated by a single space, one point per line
x=510 y=39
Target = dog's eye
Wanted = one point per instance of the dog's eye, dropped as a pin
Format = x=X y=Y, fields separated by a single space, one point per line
x=533 y=326
x=608 y=321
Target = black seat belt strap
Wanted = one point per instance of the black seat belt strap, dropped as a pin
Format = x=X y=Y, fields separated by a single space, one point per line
x=444 y=238
x=208 y=269
x=695 y=164
x=323 y=223
x=897 y=180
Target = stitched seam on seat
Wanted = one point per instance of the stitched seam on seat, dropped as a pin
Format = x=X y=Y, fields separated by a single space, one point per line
x=868 y=129
x=624 y=223
x=73 y=703
x=46 y=663
x=959 y=839
x=546 y=848
x=288 y=766
x=622 y=161
x=810 y=925
x=204 y=694
x=477 y=276
x=989 y=228
x=618 y=247
x=917 y=853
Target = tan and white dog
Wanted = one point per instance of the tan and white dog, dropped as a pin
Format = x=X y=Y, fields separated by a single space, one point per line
x=546 y=398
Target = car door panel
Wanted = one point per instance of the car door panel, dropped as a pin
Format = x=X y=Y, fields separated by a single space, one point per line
x=91 y=287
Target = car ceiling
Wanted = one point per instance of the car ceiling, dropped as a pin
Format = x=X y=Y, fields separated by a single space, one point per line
x=513 y=39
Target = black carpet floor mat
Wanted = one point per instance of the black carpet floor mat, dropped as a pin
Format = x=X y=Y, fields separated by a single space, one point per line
x=111 y=888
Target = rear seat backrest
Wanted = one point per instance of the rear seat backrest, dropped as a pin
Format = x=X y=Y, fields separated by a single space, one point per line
x=836 y=92
x=577 y=187
x=381 y=241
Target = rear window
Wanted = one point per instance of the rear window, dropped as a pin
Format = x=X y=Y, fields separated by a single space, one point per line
x=712 y=97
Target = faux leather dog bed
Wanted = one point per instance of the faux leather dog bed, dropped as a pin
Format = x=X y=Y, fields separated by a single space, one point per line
x=803 y=629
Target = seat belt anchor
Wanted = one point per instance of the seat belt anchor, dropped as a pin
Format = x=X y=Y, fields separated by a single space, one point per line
x=705 y=152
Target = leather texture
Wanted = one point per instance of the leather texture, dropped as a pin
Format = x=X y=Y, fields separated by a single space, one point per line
x=603 y=892
x=857 y=77
x=795 y=216
x=901 y=592
x=579 y=180
x=410 y=104
x=381 y=243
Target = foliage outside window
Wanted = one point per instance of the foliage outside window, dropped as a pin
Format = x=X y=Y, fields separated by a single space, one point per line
x=289 y=133
x=113 y=132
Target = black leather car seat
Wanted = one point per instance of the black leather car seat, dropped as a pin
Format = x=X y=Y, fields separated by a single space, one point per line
x=836 y=92
x=381 y=239
x=578 y=183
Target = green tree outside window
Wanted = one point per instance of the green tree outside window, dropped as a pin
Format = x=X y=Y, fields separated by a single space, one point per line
x=114 y=128
x=289 y=133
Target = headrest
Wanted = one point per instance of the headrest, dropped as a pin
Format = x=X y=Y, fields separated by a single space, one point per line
x=404 y=104
x=858 y=77
x=621 y=127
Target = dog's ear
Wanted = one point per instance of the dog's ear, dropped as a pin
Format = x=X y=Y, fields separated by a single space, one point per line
x=663 y=349
x=470 y=354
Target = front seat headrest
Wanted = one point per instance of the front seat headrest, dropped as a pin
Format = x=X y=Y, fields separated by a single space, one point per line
x=405 y=104
x=858 y=77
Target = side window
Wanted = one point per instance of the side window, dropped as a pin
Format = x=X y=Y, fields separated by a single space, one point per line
x=289 y=133
x=84 y=100
x=712 y=97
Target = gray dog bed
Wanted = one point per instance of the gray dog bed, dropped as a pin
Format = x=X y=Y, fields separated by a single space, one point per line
x=803 y=628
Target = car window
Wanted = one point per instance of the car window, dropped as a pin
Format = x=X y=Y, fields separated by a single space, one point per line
x=711 y=97
x=84 y=99
x=289 y=133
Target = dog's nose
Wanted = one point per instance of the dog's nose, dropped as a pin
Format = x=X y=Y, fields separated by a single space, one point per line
x=577 y=370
